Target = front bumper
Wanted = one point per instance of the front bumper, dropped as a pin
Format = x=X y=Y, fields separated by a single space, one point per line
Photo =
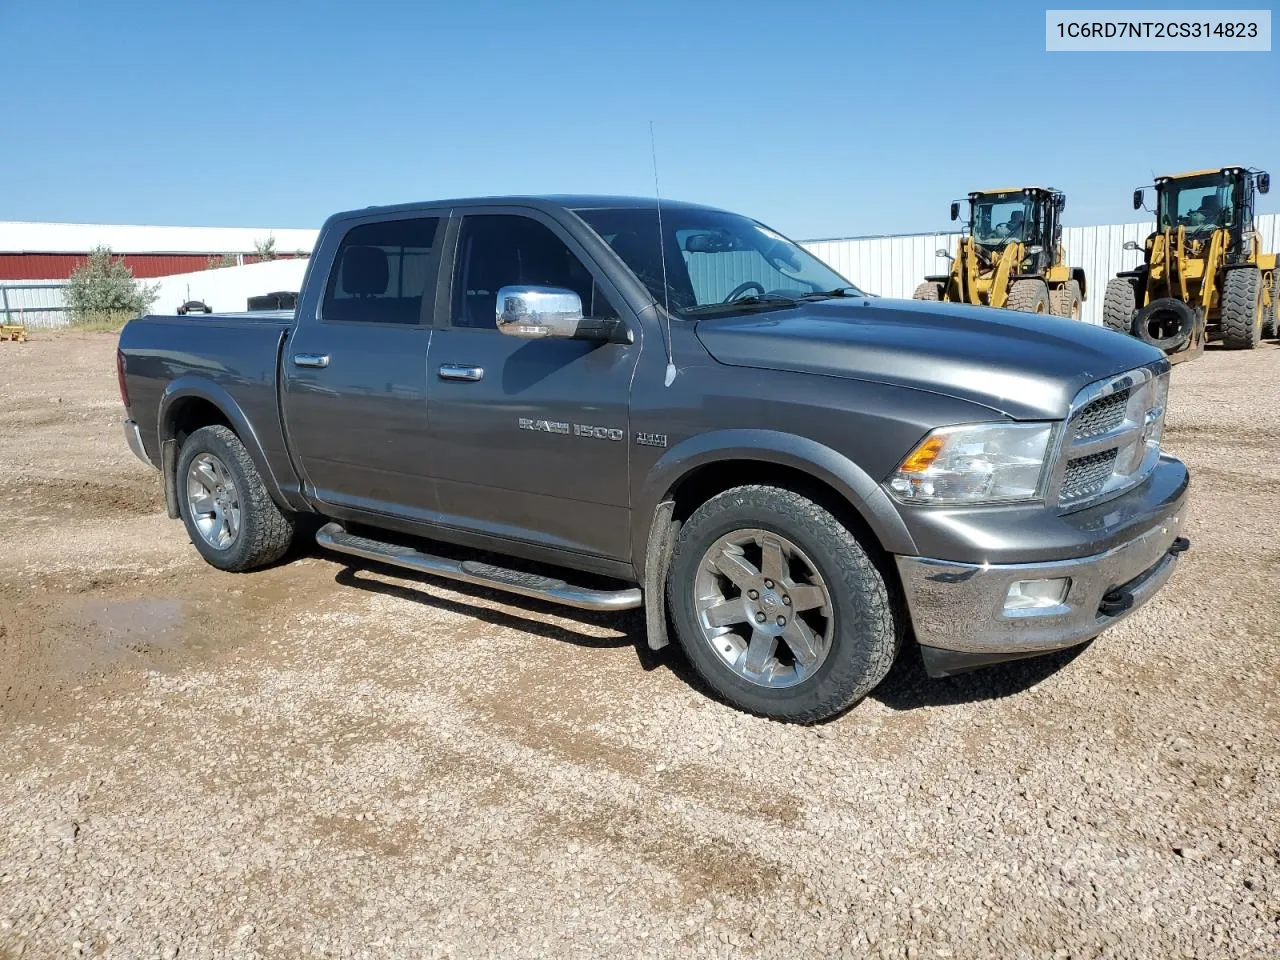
x=133 y=436
x=961 y=607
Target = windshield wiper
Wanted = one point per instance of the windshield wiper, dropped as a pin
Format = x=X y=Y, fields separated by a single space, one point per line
x=849 y=291
x=761 y=300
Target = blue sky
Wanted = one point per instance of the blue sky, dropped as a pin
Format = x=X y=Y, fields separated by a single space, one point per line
x=822 y=119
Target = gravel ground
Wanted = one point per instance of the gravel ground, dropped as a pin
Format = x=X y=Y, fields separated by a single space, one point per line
x=334 y=761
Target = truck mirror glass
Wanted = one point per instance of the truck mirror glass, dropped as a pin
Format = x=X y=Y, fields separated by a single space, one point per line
x=1137 y=199
x=536 y=312
x=1131 y=245
x=1264 y=182
x=955 y=211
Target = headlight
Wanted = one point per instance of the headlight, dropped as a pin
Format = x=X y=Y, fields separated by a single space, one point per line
x=975 y=463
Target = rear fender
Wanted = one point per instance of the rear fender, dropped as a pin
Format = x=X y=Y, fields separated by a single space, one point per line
x=189 y=387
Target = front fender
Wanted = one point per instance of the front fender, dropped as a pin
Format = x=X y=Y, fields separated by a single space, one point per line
x=196 y=387
x=816 y=460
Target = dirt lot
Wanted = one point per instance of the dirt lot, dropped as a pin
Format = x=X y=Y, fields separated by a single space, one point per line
x=331 y=761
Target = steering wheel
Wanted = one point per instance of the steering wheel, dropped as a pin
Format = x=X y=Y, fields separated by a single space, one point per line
x=742 y=288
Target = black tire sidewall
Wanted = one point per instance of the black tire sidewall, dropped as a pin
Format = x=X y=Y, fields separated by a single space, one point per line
x=850 y=668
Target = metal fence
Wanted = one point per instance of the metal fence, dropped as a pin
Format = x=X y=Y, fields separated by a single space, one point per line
x=36 y=303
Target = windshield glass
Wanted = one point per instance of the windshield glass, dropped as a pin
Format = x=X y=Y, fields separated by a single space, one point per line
x=999 y=218
x=716 y=262
x=1198 y=203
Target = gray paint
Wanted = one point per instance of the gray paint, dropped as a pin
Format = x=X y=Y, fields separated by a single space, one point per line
x=840 y=390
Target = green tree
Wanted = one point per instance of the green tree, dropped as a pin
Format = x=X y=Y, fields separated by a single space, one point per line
x=103 y=291
x=265 y=249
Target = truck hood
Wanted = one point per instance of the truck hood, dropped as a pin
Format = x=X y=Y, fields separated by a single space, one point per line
x=1026 y=366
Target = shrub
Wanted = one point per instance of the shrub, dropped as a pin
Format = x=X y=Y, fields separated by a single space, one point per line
x=102 y=291
x=226 y=260
x=265 y=249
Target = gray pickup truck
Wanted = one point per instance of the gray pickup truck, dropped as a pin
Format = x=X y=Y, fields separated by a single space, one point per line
x=678 y=409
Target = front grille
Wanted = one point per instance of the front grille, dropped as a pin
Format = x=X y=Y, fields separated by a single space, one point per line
x=1112 y=439
x=1086 y=476
x=1101 y=415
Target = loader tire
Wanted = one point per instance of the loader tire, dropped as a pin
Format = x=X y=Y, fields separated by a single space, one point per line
x=1241 y=309
x=929 y=290
x=1028 y=296
x=1165 y=323
x=1066 y=300
x=1119 y=304
x=1271 y=321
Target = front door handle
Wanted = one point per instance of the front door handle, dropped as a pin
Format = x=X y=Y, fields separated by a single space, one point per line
x=311 y=360
x=460 y=371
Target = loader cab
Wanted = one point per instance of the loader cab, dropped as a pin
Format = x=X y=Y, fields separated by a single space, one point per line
x=1028 y=215
x=1207 y=200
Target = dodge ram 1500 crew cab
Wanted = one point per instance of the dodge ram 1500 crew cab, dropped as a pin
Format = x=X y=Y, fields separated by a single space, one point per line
x=703 y=420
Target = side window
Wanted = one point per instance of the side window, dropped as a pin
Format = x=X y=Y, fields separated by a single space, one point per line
x=383 y=271
x=498 y=250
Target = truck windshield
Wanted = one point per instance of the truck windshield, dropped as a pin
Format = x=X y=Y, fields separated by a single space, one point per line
x=1000 y=218
x=716 y=262
x=1201 y=204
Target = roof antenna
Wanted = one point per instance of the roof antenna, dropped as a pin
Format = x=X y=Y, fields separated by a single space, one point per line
x=662 y=252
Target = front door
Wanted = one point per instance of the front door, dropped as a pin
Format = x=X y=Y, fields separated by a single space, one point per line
x=355 y=375
x=529 y=437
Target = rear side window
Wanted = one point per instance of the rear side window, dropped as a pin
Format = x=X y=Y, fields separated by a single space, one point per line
x=498 y=250
x=383 y=271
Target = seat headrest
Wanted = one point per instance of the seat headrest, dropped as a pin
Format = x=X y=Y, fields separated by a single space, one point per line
x=365 y=271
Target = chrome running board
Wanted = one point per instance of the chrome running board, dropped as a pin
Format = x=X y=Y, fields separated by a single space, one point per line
x=334 y=537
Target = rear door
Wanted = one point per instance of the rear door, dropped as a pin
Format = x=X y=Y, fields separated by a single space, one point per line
x=530 y=437
x=355 y=372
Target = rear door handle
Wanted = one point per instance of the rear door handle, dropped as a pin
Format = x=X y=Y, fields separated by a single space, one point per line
x=310 y=359
x=460 y=371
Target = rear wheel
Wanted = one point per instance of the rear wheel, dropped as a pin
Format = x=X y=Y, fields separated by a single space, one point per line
x=778 y=607
x=929 y=290
x=1241 y=308
x=1028 y=296
x=1271 y=321
x=1119 y=304
x=230 y=517
x=1067 y=301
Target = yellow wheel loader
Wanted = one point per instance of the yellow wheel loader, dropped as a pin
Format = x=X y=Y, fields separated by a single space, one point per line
x=1010 y=255
x=1203 y=274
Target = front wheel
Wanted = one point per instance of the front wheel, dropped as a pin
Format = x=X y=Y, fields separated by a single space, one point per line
x=1241 y=309
x=230 y=517
x=778 y=607
x=1067 y=300
x=1028 y=296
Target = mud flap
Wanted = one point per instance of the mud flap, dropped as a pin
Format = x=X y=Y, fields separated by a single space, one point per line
x=657 y=561
x=169 y=476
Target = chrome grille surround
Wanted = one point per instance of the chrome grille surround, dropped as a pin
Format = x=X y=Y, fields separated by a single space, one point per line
x=1116 y=422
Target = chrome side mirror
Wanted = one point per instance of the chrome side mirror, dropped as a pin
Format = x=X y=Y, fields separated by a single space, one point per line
x=533 y=313
x=536 y=312
x=944 y=253
x=1131 y=245
x=1034 y=249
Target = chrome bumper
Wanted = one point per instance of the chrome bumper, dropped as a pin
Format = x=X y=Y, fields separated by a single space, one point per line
x=133 y=436
x=961 y=606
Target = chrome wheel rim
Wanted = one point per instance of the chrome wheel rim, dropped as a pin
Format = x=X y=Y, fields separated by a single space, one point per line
x=763 y=608
x=213 y=501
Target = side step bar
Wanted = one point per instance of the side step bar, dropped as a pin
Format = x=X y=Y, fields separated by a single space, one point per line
x=334 y=537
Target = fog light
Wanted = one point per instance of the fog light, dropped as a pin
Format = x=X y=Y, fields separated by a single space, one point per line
x=1036 y=594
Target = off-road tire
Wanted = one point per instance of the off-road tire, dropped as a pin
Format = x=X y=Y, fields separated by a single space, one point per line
x=1028 y=296
x=1119 y=304
x=868 y=626
x=266 y=532
x=929 y=290
x=1241 y=308
x=1067 y=300
x=1271 y=320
